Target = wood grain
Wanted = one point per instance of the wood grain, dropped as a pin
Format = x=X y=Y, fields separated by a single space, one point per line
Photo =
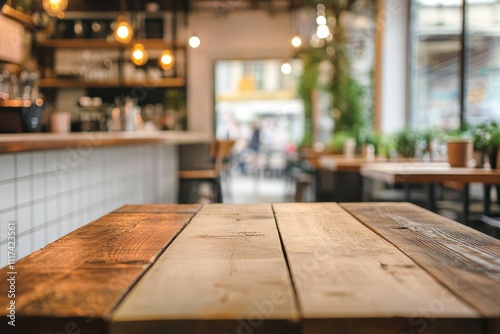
x=225 y=273
x=343 y=271
x=158 y=208
x=78 y=279
x=462 y=259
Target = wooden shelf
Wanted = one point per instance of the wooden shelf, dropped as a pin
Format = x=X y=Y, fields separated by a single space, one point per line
x=100 y=43
x=76 y=83
x=15 y=103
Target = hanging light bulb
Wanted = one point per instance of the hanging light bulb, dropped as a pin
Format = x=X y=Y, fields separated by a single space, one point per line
x=296 y=41
x=194 y=41
x=139 y=56
x=323 y=31
x=124 y=31
x=167 y=60
x=286 y=68
x=321 y=20
x=55 y=8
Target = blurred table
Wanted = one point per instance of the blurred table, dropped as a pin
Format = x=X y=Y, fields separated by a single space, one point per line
x=341 y=163
x=337 y=177
x=434 y=173
x=263 y=268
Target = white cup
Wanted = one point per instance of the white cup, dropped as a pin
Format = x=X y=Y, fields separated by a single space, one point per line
x=60 y=121
x=349 y=148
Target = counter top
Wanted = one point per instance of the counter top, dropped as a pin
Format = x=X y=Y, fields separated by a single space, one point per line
x=24 y=142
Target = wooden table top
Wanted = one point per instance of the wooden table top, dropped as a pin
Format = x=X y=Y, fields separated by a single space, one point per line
x=261 y=268
x=428 y=173
x=342 y=163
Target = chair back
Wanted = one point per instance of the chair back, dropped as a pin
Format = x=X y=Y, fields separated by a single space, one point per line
x=222 y=150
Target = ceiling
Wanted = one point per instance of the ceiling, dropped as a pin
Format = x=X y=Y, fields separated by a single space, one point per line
x=184 y=5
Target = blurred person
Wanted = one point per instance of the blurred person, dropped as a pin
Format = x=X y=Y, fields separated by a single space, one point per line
x=254 y=150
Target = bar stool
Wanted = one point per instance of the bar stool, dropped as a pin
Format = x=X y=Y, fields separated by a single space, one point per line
x=204 y=186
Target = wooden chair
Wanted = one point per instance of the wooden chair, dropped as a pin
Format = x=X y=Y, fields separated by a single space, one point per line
x=204 y=185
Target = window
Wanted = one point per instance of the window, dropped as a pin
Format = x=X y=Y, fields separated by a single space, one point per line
x=436 y=75
x=256 y=91
x=483 y=76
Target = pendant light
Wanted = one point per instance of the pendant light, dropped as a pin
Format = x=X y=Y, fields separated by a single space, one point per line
x=194 y=41
x=167 y=59
x=138 y=55
x=124 y=31
x=296 y=40
x=55 y=8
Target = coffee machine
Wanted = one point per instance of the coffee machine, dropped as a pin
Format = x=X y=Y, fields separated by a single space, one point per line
x=21 y=104
x=20 y=116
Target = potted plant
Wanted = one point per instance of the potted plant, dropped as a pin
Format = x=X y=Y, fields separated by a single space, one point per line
x=338 y=140
x=487 y=140
x=431 y=138
x=406 y=142
x=385 y=145
x=460 y=147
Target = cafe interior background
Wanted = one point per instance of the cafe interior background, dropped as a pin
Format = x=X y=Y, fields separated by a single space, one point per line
x=390 y=78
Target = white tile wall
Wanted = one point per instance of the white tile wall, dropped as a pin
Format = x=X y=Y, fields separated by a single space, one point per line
x=50 y=193
x=7 y=167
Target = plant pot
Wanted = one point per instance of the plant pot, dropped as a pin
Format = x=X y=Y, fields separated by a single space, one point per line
x=480 y=158
x=460 y=152
x=493 y=157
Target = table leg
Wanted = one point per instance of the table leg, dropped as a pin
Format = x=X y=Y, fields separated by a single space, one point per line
x=465 y=209
x=367 y=189
x=431 y=201
x=487 y=199
x=407 y=192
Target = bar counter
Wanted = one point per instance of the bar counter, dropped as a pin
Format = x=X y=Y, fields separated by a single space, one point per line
x=51 y=184
x=286 y=268
x=11 y=143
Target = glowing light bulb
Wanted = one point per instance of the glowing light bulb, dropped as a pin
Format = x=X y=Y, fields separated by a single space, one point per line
x=167 y=60
x=296 y=41
x=55 y=8
x=139 y=56
x=323 y=31
x=123 y=32
x=286 y=68
x=320 y=20
x=194 y=42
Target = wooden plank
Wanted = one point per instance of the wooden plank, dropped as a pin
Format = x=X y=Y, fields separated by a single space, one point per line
x=462 y=259
x=346 y=277
x=225 y=273
x=158 y=208
x=76 y=281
